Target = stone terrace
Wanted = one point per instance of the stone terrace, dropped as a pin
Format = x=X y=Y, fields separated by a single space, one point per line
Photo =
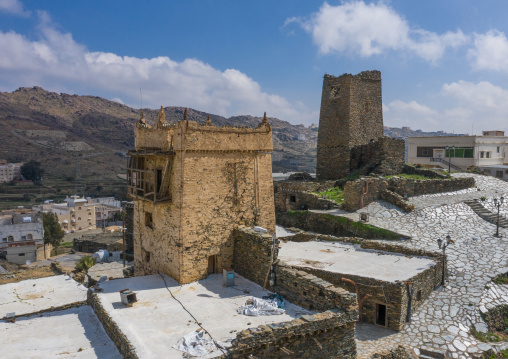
x=444 y=321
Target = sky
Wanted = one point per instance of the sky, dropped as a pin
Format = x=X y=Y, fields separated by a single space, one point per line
x=444 y=64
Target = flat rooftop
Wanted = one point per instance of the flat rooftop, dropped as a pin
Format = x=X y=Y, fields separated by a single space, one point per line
x=71 y=333
x=157 y=321
x=345 y=258
x=34 y=295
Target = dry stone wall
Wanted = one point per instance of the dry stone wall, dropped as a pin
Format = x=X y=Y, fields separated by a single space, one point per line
x=361 y=192
x=385 y=156
x=296 y=195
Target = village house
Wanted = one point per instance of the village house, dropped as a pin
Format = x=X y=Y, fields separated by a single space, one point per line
x=75 y=215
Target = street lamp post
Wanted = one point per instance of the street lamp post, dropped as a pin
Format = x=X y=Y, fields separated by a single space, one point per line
x=442 y=245
x=449 y=149
x=498 y=204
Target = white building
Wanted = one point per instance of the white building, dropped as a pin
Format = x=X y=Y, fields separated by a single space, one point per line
x=490 y=149
x=21 y=228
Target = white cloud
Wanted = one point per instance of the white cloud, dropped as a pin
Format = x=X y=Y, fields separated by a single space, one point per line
x=490 y=51
x=56 y=61
x=13 y=7
x=371 y=29
x=482 y=104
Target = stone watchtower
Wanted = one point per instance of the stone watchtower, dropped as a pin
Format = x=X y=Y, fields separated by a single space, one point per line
x=191 y=186
x=351 y=115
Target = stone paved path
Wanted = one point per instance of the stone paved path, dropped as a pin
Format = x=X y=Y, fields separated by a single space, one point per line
x=445 y=319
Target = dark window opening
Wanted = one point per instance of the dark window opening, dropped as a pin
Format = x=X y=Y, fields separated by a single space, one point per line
x=148 y=220
x=425 y=152
x=147 y=257
x=381 y=314
x=159 y=180
x=292 y=199
x=21 y=254
x=419 y=295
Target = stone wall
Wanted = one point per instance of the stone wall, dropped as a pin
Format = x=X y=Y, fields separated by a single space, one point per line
x=396 y=199
x=51 y=309
x=361 y=192
x=422 y=171
x=325 y=223
x=114 y=332
x=384 y=156
x=252 y=254
x=322 y=335
x=350 y=115
x=497 y=318
x=297 y=195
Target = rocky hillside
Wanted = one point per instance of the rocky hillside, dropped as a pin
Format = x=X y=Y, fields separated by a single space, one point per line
x=66 y=131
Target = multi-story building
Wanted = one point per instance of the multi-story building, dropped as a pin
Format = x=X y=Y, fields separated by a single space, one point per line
x=192 y=185
x=75 y=215
x=9 y=171
x=459 y=152
x=21 y=226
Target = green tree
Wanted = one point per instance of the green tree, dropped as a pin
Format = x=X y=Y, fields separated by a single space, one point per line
x=32 y=171
x=53 y=233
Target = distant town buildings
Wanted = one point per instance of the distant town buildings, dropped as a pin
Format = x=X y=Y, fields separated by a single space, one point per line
x=488 y=151
x=75 y=215
x=9 y=171
x=22 y=236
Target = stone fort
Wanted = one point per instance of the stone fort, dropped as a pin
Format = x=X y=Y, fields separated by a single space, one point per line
x=351 y=136
x=192 y=185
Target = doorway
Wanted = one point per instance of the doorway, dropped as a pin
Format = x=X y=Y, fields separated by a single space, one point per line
x=381 y=314
x=212 y=265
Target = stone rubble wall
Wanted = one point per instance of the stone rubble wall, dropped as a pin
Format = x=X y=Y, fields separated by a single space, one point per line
x=359 y=193
x=114 y=332
x=385 y=156
x=422 y=171
x=51 y=309
x=325 y=223
x=397 y=353
x=322 y=335
x=252 y=252
x=397 y=200
x=497 y=317
x=303 y=195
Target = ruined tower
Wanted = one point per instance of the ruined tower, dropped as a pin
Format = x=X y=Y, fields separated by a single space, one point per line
x=191 y=186
x=351 y=115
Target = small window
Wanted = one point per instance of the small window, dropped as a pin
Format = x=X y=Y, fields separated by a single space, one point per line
x=29 y=236
x=148 y=220
x=23 y=238
x=292 y=198
x=498 y=149
x=10 y=238
x=147 y=257
x=21 y=254
x=487 y=154
x=482 y=154
x=4 y=239
x=425 y=152
x=79 y=218
x=79 y=208
x=419 y=295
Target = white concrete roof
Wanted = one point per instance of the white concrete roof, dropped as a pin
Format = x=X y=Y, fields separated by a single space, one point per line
x=157 y=321
x=347 y=258
x=71 y=333
x=33 y=295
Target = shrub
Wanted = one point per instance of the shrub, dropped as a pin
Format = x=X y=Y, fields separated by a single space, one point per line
x=85 y=263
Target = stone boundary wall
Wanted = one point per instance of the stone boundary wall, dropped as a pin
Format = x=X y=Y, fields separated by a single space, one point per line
x=497 y=317
x=252 y=252
x=323 y=335
x=361 y=192
x=397 y=353
x=397 y=200
x=304 y=198
x=410 y=170
x=329 y=224
x=51 y=309
x=114 y=332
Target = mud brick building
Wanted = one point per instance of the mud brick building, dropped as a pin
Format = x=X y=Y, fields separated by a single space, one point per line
x=191 y=186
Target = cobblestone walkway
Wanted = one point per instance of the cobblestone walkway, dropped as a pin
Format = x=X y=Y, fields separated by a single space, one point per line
x=444 y=321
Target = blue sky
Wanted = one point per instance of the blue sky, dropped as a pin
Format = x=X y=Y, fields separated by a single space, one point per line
x=444 y=64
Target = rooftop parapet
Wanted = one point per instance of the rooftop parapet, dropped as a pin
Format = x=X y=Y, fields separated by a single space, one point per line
x=190 y=136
